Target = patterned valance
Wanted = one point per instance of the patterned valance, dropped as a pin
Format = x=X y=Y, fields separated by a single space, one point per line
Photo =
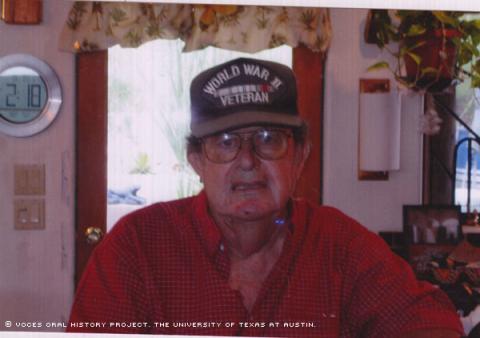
x=100 y=25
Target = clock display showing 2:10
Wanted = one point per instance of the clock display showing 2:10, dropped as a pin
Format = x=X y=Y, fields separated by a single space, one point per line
x=22 y=97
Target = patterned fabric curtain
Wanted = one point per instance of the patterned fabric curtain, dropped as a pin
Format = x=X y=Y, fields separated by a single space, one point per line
x=100 y=25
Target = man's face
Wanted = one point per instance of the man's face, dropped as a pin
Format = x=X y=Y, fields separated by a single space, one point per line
x=249 y=187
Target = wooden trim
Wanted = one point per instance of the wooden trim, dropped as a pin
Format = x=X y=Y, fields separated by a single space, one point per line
x=309 y=70
x=91 y=143
x=426 y=171
x=438 y=154
x=22 y=12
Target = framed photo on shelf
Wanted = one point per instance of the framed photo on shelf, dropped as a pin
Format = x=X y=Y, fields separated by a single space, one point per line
x=431 y=224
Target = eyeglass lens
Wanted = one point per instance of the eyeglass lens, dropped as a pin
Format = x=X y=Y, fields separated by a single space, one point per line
x=267 y=144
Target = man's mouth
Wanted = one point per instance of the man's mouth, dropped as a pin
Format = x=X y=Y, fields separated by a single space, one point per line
x=248 y=186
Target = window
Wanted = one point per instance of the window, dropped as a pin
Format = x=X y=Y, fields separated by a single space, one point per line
x=148 y=120
x=468 y=108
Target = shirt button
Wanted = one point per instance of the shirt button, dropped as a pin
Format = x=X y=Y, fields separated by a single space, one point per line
x=222 y=248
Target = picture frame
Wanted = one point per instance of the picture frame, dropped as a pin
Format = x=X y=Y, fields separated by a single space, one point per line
x=432 y=224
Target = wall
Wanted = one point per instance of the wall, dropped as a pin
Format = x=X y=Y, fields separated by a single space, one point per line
x=36 y=277
x=376 y=204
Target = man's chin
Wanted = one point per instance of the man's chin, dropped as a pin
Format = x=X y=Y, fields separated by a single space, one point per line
x=252 y=210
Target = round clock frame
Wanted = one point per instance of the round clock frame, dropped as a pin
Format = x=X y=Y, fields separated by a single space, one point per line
x=53 y=102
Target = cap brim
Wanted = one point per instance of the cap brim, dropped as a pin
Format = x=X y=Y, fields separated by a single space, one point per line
x=244 y=119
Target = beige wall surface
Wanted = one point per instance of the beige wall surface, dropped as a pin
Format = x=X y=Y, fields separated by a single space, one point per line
x=36 y=266
x=376 y=204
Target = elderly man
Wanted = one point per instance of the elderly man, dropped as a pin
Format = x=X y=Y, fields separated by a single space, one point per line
x=243 y=257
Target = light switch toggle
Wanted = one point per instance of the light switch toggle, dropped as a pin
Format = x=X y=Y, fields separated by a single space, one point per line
x=29 y=213
x=22 y=215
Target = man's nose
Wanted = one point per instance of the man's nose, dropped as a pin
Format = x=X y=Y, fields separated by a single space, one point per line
x=247 y=157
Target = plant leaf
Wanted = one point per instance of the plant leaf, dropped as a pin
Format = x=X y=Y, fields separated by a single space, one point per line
x=418 y=44
x=428 y=70
x=442 y=16
x=417 y=59
x=475 y=82
x=415 y=30
x=475 y=23
x=378 y=65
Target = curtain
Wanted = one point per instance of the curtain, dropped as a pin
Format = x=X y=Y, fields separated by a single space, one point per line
x=99 y=25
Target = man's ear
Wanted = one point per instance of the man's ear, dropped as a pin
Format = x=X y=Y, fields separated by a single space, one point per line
x=196 y=160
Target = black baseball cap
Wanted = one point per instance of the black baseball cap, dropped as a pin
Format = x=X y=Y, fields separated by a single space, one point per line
x=243 y=92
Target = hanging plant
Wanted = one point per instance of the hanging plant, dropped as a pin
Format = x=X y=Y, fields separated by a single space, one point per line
x=432 y=50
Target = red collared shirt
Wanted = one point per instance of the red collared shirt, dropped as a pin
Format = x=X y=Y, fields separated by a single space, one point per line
x=164 y=270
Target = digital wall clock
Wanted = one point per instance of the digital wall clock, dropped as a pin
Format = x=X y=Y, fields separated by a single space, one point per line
x=30 y=95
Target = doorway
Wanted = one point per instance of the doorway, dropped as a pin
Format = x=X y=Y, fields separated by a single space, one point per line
x=92 y=132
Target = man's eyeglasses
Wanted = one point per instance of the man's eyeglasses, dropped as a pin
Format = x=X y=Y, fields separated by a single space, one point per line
x=268 y=144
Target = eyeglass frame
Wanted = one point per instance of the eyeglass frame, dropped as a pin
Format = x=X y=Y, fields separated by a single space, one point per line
x=288 y=132
x=300 y=136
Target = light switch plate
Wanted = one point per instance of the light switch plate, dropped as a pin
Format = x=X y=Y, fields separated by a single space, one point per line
x=29 y=179
x=29 y=214
x=36 y=179
x=21 y=179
